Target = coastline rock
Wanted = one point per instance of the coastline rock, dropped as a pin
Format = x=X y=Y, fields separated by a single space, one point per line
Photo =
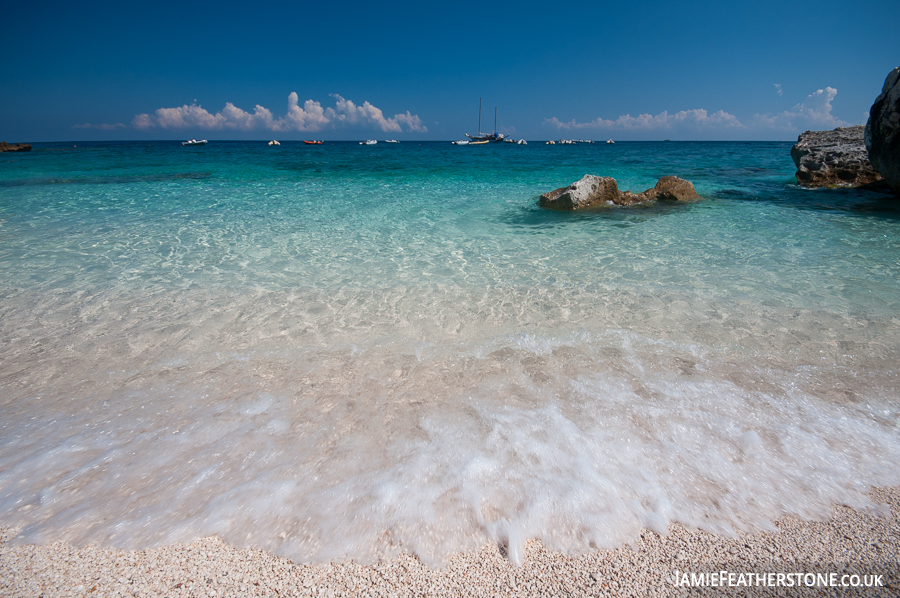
x=589 y=191
x=835 y=158
x=596 y=190
x=883 y=131
x=672 y=188
x=14 y=147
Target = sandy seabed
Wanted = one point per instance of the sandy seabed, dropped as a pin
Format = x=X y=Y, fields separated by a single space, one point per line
x=851 y=543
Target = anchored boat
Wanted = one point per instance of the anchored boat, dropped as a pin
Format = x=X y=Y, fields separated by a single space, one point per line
x=482 y=138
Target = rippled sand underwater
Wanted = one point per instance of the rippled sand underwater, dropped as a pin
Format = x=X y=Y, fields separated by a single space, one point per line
x=343 y=351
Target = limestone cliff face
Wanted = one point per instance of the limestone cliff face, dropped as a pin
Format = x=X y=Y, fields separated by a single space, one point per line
x=835 y=158
x=882 y=137
x=593 y=191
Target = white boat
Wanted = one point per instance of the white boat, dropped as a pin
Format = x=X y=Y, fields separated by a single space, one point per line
x=368 y=142
x=391 y=141
x=610 y=141
x=551 y=142
x=460 y=142
x=194 y=142
x=274 y=142
x=521 y=142
x=482 y=138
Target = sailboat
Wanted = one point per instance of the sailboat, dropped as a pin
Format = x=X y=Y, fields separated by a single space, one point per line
x=483 y=138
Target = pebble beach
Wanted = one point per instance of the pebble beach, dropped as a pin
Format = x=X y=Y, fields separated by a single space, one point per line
x=850 y=542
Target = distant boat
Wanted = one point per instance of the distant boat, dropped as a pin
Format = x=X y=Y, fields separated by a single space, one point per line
x=274 y=142
x=551 y=142
x=194 y=142
x=521 y=142
x=391 y=141
x=567 y=142
x=368 y=142
x=312 y=142
x=460 y=142
x=479 y=142
x=610 y=141
x=480 y=138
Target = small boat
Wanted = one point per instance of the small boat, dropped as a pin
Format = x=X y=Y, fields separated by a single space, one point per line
x=460 y=142
x=567 y=142
x=551 y=142
x=194 y=142
x=521 y=142
x=610 y=141
x=368 y=142
x=479 y=142
x=274 y=142
x=391 y=141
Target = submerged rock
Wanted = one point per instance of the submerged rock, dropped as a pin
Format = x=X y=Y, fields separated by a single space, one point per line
x=599 y=190
x=14 y=147
x=835 y=158
x=882 y=136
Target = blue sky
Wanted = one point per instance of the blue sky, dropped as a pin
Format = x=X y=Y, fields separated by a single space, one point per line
x=354 y=70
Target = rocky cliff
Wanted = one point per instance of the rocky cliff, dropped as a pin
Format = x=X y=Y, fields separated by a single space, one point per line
x=835 y=158
x=882 y=136
x=14 y=147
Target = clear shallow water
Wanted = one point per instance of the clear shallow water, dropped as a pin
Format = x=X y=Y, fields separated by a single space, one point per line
x=344 y=351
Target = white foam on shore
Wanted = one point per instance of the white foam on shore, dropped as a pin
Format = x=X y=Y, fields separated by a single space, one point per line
x=337 y=451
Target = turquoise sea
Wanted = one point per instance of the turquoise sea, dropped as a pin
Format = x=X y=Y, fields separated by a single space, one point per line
x=345 y=351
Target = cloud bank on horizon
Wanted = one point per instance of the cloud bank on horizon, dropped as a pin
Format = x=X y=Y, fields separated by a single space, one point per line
x=311 y=117
x=813 y=112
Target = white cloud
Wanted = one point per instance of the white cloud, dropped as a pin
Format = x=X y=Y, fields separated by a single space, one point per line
x=695 y=119
x=814 y=112
x=345 y=111
x=310 y=117
x=142 y=121
x=102 y=126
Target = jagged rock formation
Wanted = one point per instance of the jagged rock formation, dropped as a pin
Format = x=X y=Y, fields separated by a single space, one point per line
x=14 y=147
x=593 y=191
x=835 y=158
x=882 y=136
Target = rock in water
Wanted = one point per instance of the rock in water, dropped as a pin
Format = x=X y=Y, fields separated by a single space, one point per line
x=672 y=188
x=883 y=131
x=589 y=191
x=835 y=158
x=598 y=190
x=14 y=147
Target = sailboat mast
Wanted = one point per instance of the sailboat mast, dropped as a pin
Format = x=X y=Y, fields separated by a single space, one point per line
x=479 y=116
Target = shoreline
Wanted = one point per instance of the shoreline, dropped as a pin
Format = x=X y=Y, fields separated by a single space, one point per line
x=852 y=541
